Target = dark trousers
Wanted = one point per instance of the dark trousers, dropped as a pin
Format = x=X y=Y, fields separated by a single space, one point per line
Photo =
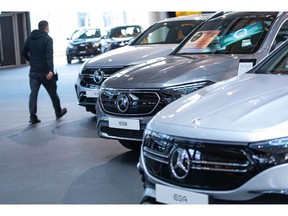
x=36 y=80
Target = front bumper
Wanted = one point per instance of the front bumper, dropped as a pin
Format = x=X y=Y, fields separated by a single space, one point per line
x=75 y=53
x=269 y=186
x=83 y=99
x=105 y=131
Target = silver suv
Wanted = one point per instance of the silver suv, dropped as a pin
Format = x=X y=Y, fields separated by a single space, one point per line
x=221 y=48
x=226 y=143
x=157 y=41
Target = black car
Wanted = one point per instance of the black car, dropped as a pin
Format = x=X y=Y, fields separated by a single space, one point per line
x=84 y=43
x=120 y=36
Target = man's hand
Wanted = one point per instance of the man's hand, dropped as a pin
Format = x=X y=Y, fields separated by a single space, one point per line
x=49 y=75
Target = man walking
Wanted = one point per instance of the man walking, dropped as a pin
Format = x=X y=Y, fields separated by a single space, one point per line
x=38 y=50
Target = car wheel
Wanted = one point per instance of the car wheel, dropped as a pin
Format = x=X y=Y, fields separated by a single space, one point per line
x=131 y=144
x=69 y=60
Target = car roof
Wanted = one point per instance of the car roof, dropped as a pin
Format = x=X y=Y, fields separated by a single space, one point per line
x=250 y=13
x=188 y=17
x=88 y=27
x=123 y=26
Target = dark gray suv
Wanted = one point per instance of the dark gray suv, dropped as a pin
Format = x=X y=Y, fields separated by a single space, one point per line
x=221 y=48
x=159 y=40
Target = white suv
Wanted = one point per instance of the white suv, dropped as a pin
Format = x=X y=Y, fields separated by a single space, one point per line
x=227 y=142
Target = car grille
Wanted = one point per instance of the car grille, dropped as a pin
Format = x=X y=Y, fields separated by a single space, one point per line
x=139 y=102
x=210 y=166
x=87 y=75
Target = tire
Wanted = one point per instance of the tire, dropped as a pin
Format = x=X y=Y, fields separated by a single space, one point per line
x=131 y=144
x=69 y=60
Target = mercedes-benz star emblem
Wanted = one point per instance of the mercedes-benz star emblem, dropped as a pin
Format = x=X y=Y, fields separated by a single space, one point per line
x=179 y=163
x=98 y=76
x=122 y=103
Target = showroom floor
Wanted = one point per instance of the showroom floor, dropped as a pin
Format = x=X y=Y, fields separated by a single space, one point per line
x=61 y=161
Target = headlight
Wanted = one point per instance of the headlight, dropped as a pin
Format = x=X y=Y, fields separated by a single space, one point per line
x=270 y=153
x=96 y=45
x=175 y=92
x=70 y=46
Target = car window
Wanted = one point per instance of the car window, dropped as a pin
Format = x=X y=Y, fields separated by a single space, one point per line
x=91 y=33
x=281 y=36
x=278 y=64
x=230 y=35
x=123 y=32
x=75 y=35
x=167 y=32
x=84 y=33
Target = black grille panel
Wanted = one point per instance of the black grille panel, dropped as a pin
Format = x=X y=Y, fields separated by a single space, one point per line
x=212 y=166
x=87 y=75
x=140 y=103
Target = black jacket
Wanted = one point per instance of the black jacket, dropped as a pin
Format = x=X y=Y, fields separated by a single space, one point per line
x=38 y=50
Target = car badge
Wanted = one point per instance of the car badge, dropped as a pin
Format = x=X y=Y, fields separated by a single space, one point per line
x=98 y=76
x=122 y=103
x=180 y=163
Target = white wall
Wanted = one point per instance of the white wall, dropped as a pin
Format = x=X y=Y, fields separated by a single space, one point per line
x=63 y=23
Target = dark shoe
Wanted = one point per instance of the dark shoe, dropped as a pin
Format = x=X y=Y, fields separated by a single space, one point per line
x=61 y=114
x=34 y=120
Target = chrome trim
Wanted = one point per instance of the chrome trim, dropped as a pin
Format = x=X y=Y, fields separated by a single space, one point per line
x=92 y=75
x=129 y=90
x=275 y=191
x=155 y=158
x=220 y=163
x=115 y=137
x=218 y=169
x=154 y=153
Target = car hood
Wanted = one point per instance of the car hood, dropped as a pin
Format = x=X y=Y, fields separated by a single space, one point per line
x=173 y=70
x=130 y=55
x=81 y=41
x=119 y=40
x=248 y=108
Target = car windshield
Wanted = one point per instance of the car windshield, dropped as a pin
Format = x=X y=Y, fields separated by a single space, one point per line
x=167 y=32
x=278 y=64
x=230 y=34
x=86 y=33
x=124 y=32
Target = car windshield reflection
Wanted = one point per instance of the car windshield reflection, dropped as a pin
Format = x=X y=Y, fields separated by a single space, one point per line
x=229 y=35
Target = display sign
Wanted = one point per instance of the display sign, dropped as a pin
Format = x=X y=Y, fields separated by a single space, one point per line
x=202 y=39
x=245 y=65
x=242 y=33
